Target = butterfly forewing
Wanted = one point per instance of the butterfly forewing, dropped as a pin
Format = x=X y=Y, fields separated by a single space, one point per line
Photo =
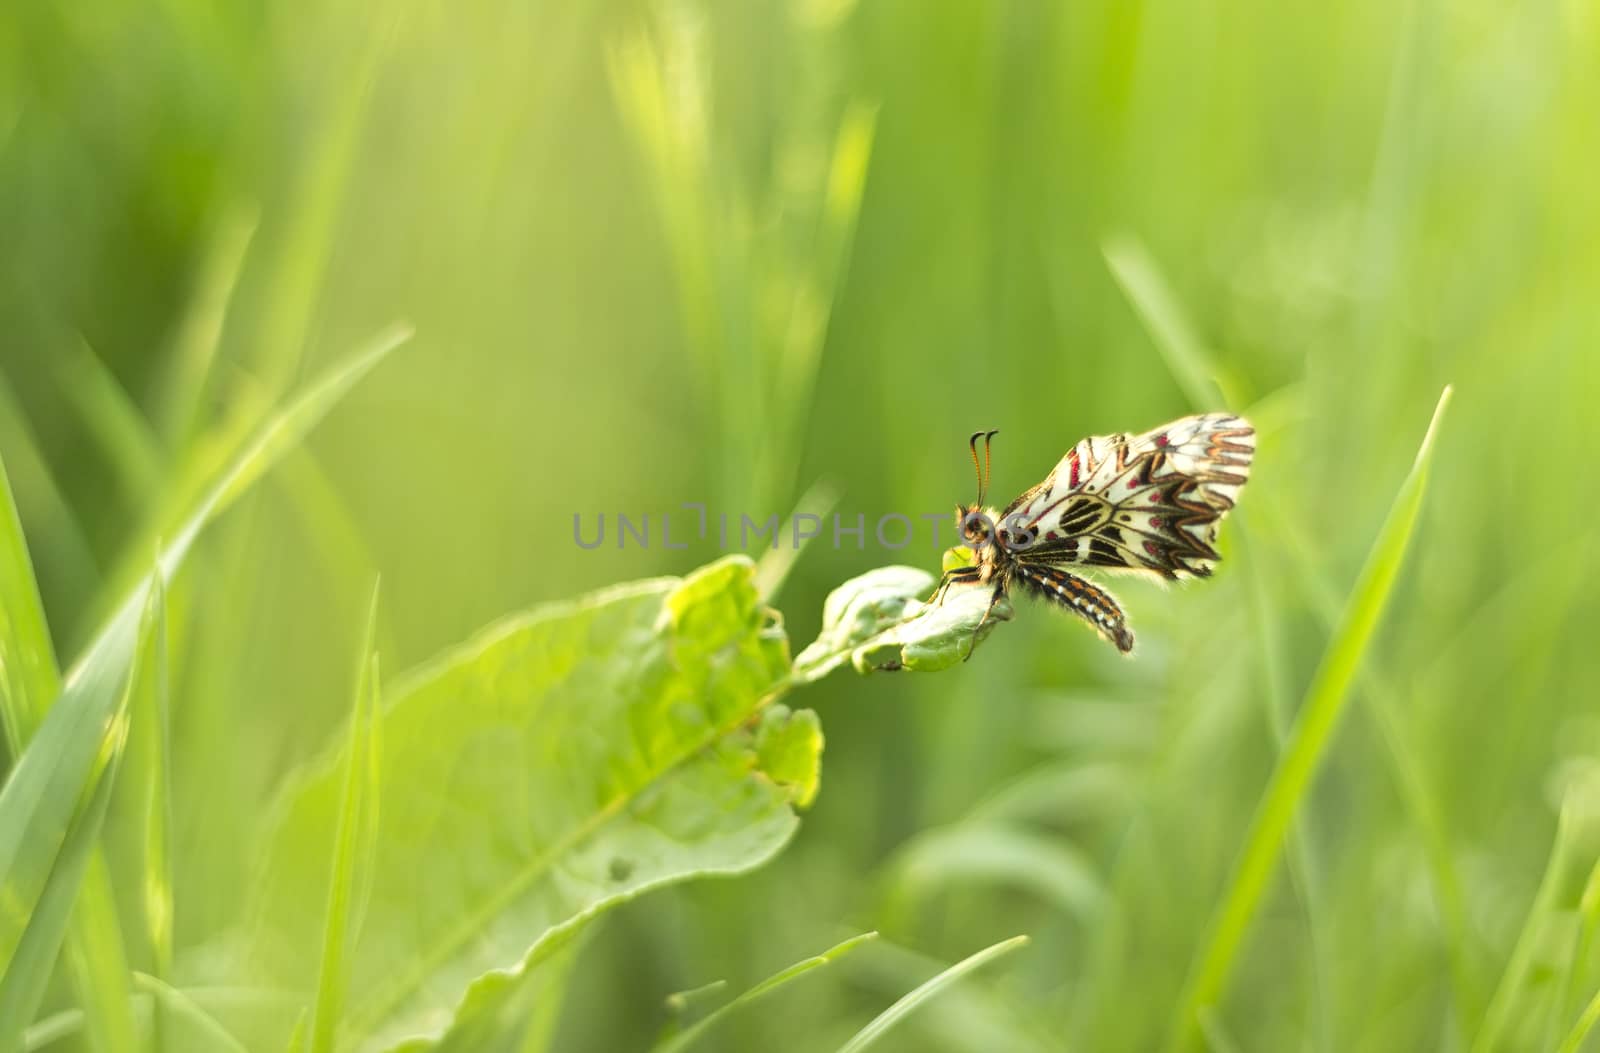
x=1147 y=502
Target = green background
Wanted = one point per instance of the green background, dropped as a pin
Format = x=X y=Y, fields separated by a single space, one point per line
x=735 y=252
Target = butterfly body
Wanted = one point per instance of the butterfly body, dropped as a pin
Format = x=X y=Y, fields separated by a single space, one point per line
x=1147 y=503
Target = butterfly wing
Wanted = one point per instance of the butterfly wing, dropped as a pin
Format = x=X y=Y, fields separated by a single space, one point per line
x=1148 y=503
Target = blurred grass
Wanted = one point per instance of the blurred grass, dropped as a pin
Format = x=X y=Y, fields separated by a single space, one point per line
x=711 y=252
x=1308 y=741
x=354 y=854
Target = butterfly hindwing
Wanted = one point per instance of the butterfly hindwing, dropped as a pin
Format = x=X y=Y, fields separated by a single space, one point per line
x=1147 y=502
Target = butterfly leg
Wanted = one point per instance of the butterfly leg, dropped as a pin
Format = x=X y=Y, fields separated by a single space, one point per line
x=972 y=643
x=963 y=575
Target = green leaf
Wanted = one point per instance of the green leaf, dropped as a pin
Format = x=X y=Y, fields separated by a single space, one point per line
x=1308 y=741
x=881 y=1024
x=789 y=751
x=561 y=763
x=876 y=621
x=507 y=1013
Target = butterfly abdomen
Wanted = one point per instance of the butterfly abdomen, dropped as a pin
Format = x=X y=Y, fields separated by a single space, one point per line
x=1082 y=598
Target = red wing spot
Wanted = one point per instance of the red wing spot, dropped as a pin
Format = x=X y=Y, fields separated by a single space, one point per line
x=1150 y=547
x=1133 y=484
x=1162 y=440
x=1074 y=482
x=1156 y=522
x=1052 y=536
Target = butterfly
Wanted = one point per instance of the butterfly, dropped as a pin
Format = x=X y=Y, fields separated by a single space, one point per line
x=1147 y=504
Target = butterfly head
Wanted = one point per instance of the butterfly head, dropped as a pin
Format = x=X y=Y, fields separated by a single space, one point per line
x=973 y=524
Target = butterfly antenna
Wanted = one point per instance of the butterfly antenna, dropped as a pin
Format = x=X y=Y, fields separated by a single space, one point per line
x=986 y=439
x=972 y=445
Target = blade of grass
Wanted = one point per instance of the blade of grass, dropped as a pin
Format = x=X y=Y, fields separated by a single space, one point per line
x=49 y=1030
x=147 y=777
x=1217 y=1037
x=686 y=1038
x=1497 y=618
x=109 y=417
x=1313 y=733
x=199 y=336
x=371 y=775
x=1193 y=367
x=62 y=551
x=1550 y=588
x=289 y=427
x=52 y=1029
x=29 y=677
x=1201 y=378
x=28 y=971
x=182 y=1007
x=97 y=960
x=144 y=780
x=1518 y=965
x=1303 y=868
x=972 y=1017
x=29 y=680
x=354 y=831
x=320 y=507
x=329 y=524
x=87 y=702
x=812 y=301
x=773 y=568
x=281 y=434
x=278 y=436
x=680 y=1002
x=1580 y=1030
x=305 y=246
x=887 y=1019
x=1415 y=787
x=1001 y=855
x=44 y=919
x=1582 y=953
